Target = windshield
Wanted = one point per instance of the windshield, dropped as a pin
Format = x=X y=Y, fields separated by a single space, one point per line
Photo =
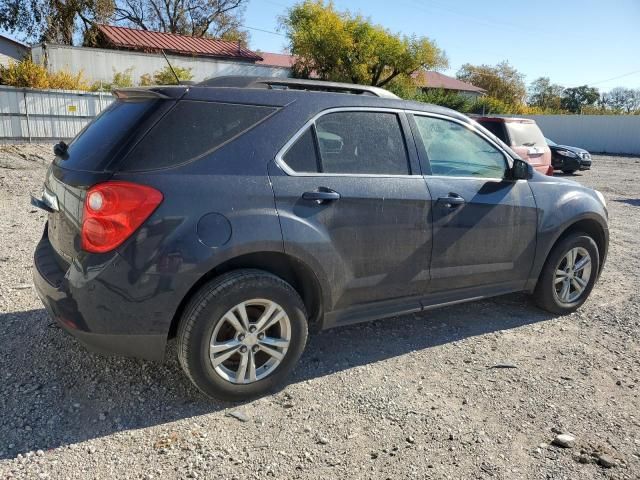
x=525 y=134
x=551 y=142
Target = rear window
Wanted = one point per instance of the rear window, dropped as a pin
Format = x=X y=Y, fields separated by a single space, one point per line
x=497 y=128
x=93 y=148
x=525 y=134
x=192 y=129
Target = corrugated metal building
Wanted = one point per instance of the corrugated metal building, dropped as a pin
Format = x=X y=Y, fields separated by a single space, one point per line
x=140 y=52
x=10 y=50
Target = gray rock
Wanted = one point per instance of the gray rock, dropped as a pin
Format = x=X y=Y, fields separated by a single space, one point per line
x=564 y=440
x=238 y=415
x=606 y=461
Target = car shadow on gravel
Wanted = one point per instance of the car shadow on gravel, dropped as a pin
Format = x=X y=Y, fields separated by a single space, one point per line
x=634 y=202
x=56 y=393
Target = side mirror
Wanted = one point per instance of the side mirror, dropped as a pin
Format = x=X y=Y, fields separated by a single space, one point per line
x=521 y=170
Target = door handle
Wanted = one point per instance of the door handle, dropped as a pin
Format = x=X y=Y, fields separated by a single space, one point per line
x=452 y=201
x=322 y=195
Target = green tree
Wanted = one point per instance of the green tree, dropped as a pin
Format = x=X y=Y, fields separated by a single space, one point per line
x=55 y=21
x=544 y=94
x=340 y=46
x=622 y=99
x=445 y=98
x=502 y=81
x=574 y=99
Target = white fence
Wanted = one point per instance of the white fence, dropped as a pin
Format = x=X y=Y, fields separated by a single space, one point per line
x=596 y=133
x=29 y=115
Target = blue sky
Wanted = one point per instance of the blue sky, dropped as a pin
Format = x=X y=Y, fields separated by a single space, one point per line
x=571 y=41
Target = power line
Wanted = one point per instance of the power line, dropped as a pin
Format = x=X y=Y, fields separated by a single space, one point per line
x=615 y=78
x=263 y=30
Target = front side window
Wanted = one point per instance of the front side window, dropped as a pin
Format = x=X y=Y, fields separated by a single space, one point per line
x=455 y=150
x=369 y=143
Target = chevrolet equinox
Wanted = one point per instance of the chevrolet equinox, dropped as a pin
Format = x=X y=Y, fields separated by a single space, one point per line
x=241 y=213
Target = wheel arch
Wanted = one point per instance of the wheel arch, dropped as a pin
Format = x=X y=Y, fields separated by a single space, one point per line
x=295 y=272
x=594 y=229
x=590 y=225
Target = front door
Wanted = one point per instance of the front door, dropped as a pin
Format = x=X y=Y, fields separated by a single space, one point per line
x=484 y=226
x=353 y=205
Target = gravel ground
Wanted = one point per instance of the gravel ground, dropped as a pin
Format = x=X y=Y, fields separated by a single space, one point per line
x=413 y=397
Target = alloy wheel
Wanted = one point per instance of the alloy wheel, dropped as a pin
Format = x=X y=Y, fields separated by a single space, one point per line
x=250 y=341
x=572 y=275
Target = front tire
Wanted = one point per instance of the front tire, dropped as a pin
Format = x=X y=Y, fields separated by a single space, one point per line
x=568 y=275
x=242 y=334
x=569 y=171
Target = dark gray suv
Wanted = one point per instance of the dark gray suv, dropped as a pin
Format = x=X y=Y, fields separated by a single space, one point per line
x=240 y=214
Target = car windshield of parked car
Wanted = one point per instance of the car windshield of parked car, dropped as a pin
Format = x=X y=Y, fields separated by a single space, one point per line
x=526 y=134
x=551 y=143
x=455 y=150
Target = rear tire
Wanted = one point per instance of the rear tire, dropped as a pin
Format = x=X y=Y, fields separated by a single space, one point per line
x=562 y=287
x=241 y=335
x=569 y=172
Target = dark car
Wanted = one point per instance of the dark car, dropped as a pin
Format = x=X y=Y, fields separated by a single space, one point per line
x=568 y=159
x=239 y=218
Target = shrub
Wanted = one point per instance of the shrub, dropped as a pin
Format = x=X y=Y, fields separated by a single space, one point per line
x=63 y=80
x=445 y=98
x=27 y=74
x=24 y=74
x=166 y=76
x=119 y=80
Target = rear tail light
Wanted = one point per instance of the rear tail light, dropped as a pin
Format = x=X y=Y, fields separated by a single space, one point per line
x=113 y=211
x=550 y=171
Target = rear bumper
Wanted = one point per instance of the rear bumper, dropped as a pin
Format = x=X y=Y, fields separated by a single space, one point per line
x=85 y=310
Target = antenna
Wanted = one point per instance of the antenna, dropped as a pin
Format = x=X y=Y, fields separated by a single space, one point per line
x=171 y=67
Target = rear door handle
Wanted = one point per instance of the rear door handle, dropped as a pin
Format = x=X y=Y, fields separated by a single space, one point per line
x=322 y=195
x=451 y=201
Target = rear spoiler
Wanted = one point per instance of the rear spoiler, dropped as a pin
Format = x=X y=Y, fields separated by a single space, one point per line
x=157 y=93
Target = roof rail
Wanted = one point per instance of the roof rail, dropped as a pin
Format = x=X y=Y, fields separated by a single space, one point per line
x=296 y=84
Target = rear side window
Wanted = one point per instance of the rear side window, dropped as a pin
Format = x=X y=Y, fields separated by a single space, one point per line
x=192 y=129
x=525 y=134
x=94 y=146
x=302 y=156
x=369 y=143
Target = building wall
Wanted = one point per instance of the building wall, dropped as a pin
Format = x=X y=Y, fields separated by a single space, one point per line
x=9 y=51
x=99 y=64
x=596 y=133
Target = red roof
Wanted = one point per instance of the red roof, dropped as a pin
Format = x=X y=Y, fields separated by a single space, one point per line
x=277 y=60
x=438 y=80
x=145 y=40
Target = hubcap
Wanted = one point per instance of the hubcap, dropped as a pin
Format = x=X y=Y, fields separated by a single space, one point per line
x=250 y=341
x=572 y=275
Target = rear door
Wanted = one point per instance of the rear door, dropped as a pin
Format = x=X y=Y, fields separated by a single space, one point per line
x=353 y=204
x=484 y=226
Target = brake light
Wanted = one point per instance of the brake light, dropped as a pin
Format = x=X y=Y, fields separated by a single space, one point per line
x=113 y=211
x=550 y=171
